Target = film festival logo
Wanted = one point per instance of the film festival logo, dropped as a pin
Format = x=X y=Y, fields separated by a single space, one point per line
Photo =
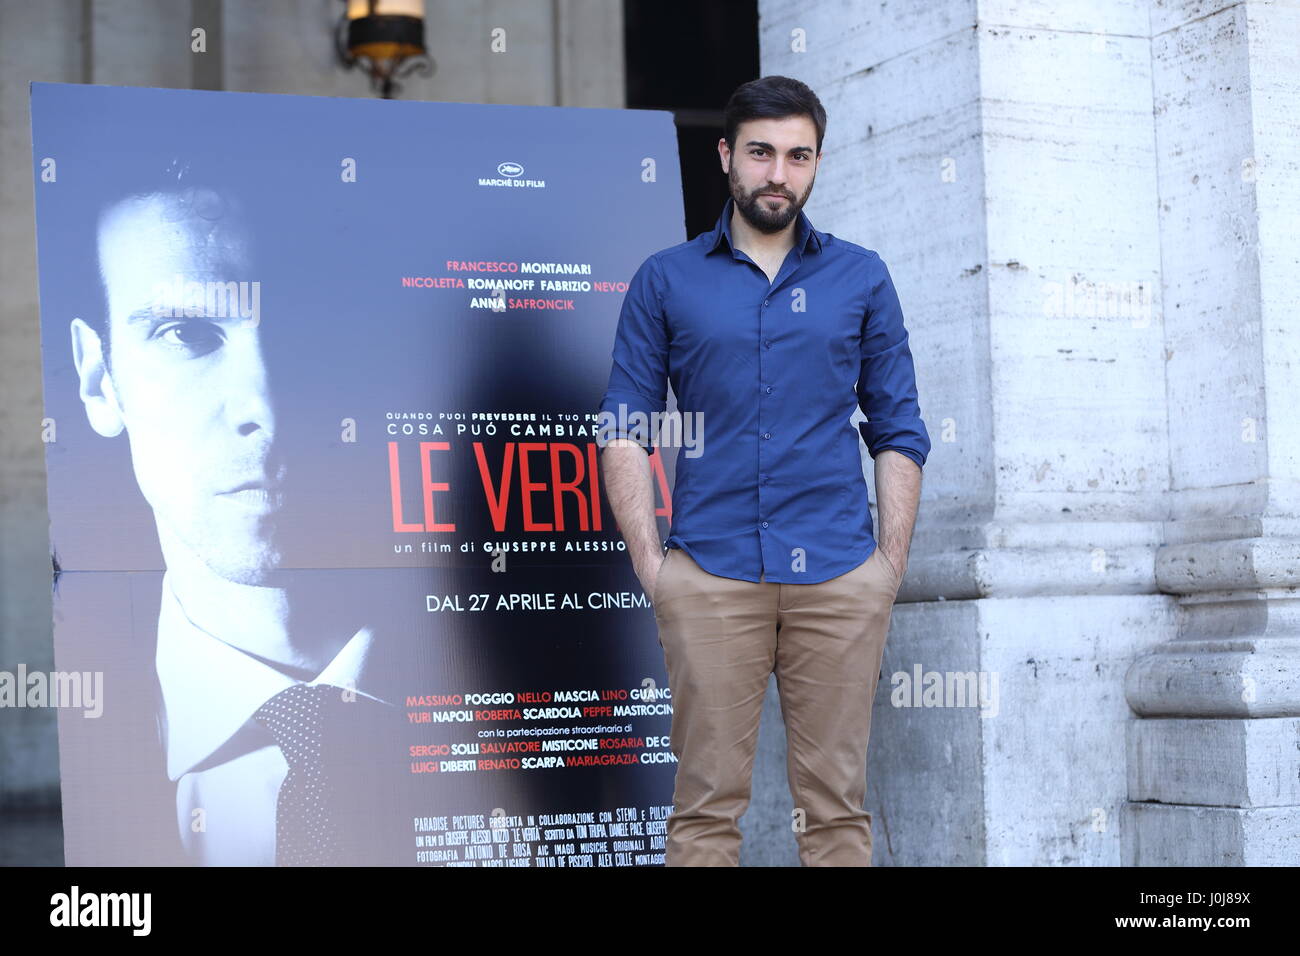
x=674 y=429
x=212 y=299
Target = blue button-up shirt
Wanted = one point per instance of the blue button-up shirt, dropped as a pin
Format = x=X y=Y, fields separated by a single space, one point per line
x=772 y=372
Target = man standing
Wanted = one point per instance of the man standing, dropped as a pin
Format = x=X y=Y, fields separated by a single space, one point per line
x=770 y=333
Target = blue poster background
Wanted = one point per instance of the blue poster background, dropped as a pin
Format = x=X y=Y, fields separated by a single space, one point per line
x=371 y=370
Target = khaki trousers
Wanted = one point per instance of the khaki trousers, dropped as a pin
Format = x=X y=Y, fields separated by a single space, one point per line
x=721 y=638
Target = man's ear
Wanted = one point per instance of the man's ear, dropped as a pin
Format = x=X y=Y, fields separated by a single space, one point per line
x=724 y=155
x=96 y=390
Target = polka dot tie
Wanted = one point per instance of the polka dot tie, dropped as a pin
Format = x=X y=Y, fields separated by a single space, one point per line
x=305 y=829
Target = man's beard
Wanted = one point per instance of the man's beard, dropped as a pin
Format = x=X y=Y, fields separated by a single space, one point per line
x=759 y=214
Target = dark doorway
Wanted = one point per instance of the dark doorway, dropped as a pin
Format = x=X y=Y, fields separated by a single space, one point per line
x=688 y=57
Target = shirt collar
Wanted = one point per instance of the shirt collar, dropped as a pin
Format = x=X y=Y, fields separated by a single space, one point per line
x=211 y=689
x=804 y=233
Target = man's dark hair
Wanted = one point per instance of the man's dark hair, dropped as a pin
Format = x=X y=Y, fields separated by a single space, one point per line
x=772 y=97
x=177 y=176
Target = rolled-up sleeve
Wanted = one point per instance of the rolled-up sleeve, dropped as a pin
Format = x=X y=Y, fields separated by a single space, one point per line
x=887 y=379
x=638 y=378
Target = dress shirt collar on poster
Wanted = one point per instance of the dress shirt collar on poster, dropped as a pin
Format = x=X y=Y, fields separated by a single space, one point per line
x=211 y=689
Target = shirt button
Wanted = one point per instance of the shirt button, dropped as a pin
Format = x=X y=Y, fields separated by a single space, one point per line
x=765 y=302
x=767 y=434
x=767 y=343
x=769 y=389
x=764 y=524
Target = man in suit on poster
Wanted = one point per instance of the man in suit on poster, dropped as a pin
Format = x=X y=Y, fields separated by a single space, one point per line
x=274 y=704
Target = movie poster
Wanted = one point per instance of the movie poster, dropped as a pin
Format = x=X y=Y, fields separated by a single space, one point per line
x=321 y=386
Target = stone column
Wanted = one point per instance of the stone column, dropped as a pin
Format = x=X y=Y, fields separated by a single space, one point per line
x=1214 y=764
x=1003 y=159
x=37 y=42
x=127 y=43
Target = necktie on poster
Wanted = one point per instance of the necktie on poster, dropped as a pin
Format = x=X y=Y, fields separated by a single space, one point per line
x=305 y=829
